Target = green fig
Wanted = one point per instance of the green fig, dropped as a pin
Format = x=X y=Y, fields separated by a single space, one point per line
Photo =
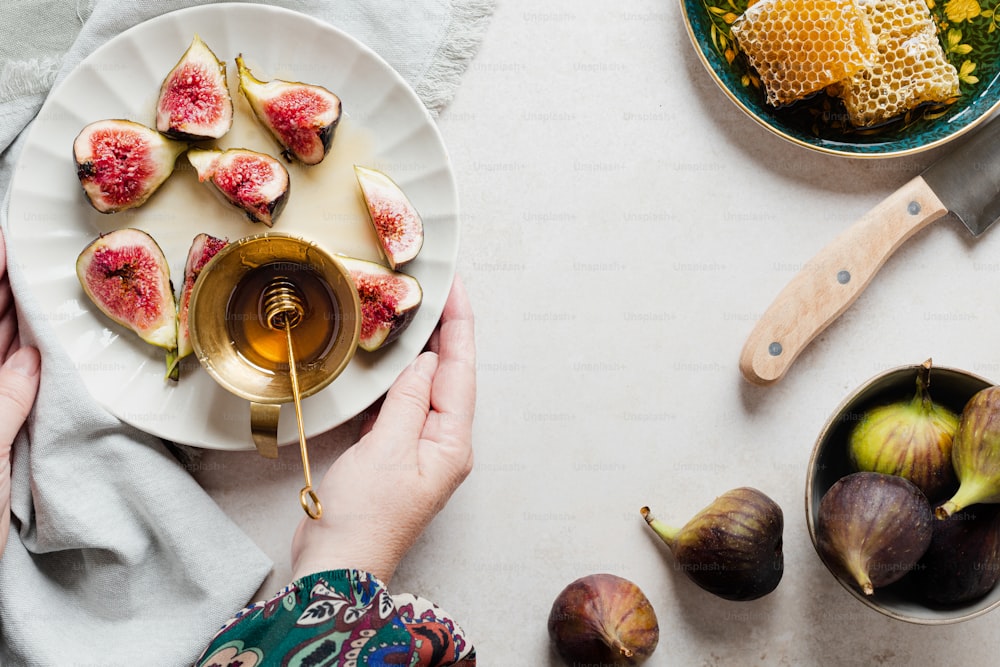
x=873 y=528
x=732 y=548
x=975 y=453
x=910 y=438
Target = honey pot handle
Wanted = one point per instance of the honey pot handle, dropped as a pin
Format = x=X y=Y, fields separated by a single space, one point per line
x=264 y=428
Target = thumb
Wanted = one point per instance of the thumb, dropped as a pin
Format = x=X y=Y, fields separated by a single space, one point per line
x=18 y=387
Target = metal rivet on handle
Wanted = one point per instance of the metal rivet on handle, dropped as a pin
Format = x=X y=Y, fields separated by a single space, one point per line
x=843 y=277
x=913 y=208
x=774 y=349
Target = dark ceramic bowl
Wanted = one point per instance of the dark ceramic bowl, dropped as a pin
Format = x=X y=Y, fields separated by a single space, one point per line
x=829 y=462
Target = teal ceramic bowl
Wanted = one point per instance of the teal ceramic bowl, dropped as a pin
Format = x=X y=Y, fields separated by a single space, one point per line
x=969 y=32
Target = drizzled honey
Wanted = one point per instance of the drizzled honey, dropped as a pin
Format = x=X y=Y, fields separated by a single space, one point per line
x=265 y=347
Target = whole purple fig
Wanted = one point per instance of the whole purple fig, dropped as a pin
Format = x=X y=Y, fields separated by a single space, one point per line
x=873 y=528
x=603 y=619
x=962 y=563
x=732 y=548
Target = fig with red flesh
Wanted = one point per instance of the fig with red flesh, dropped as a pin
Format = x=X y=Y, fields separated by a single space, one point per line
x=127 y=277
x=254 y=182
x=121 y=163
x=194 y=100
x=203 y=248
x=397 y=224
x=388 y=299
x=302 y=117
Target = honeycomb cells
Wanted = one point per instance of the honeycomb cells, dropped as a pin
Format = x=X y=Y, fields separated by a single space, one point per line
x=881 y=57
x=799 y=47
x=910 y=68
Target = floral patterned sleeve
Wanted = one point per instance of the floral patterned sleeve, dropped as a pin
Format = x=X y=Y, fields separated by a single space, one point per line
x=339 y=617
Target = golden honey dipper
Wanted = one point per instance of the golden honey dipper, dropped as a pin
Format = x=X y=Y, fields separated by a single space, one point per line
x=283 y=310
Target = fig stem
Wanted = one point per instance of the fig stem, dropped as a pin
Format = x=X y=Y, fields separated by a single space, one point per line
x=666 y=533
x=946 y=510
x=173 y=365
x=923 y=397
x=969 y=492
x=624 y=650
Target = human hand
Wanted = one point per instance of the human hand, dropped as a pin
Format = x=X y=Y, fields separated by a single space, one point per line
x=18 y=386
x=381 y=493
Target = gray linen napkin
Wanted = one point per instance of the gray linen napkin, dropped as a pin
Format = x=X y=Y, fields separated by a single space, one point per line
x=116 y=556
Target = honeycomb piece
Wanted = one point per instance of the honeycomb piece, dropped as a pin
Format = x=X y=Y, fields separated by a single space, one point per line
x=799 y=47
x=910 y=68
x=896 y=17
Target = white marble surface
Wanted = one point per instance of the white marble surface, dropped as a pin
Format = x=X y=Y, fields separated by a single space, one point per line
x=624 y=225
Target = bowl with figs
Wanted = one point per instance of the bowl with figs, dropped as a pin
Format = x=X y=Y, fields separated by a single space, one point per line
x=903 y=494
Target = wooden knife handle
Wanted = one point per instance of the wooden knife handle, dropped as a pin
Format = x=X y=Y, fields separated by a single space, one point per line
x=833 y=279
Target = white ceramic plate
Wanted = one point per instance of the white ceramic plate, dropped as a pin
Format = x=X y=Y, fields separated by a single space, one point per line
x=385 y=126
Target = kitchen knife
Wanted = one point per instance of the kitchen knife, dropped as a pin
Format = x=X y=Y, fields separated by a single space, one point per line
x=965 y=182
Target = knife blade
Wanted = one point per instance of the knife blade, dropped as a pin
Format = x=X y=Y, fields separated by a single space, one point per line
x=965 y=182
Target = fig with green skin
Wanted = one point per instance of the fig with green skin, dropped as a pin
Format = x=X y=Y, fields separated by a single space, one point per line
x=912 y=439
x=873 y=528
x=389 y=299
x=127 y=277
x=253 y=182
x=121 y=163
x=975 y=453
x=962 y=563
x=194 y=101
x=603 y=619
x=203 y=248
x=732 y=548
x=302 y=117
x=397 y=224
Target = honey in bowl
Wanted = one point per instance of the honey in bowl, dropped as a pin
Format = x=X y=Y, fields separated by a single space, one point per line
x=274 y=319
x=230 y=332
x=265 y=347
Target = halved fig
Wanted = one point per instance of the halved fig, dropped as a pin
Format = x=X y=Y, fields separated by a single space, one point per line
x=194 y=100
x=127 y=277
x=203 y=248
x=388 y=298
x=254 y=182
x=302 y=117
x=120 y=163
x=397 y=223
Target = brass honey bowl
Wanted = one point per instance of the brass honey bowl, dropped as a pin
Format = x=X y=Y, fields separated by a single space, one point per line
x=264 y=300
